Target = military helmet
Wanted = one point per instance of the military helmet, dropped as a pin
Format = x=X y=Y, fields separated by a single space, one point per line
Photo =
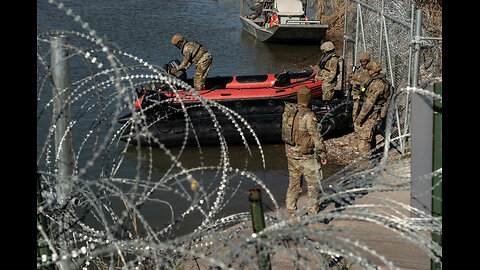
x=176 y=38
x=364 y=56
x=375 y=66
x=304 y=95
x=327 y=46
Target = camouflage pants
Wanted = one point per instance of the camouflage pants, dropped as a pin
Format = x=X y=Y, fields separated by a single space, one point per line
x=203 y=67
x=354 y=109
x=365 y=132
x=306 y=168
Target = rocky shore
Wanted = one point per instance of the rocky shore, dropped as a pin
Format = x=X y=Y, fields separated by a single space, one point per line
x=341 y=147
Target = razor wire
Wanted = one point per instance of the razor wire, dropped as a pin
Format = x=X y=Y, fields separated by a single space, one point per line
x=102 y=223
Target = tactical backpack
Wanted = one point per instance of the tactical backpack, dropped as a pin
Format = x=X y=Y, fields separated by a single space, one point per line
x=299 y=138
x=324 y=59
x=384 y=97
x=386 y=91
x=288 y=116
x=338 y=73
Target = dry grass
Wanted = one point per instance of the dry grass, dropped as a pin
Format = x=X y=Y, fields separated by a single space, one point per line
x=335 y=19
x=432 y=17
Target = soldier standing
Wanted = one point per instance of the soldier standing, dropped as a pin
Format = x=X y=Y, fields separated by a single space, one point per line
x=257 y=9
x=374 y=104
x=358 y=80
x=328 y=70
x=193 y=52
x=299 y=132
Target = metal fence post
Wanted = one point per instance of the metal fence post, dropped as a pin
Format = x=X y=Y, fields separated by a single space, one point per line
x=42 y=246
x=62 y=115
x=410 y=49
x=380 y=37
x=418 y=47
x=258 y=224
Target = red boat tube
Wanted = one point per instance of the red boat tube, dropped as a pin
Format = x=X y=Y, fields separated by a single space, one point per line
x=283 y=85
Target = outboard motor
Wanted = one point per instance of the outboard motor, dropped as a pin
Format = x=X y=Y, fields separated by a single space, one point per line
x=181 y=74
x=153 y=105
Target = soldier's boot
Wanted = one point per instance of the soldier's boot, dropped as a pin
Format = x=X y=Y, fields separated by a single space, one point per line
x=291 y=214
x=364 y=147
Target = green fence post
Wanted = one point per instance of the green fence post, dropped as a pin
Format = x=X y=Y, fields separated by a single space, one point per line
x=258 y=224
x=437 y=164
x=42 y=246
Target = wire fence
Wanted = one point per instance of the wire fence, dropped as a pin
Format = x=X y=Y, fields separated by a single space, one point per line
x=97 y=218
x=386 y=30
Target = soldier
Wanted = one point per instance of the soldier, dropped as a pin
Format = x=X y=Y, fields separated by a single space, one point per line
x=257 y=9
x=193 y=52
x=358 y=80
x=299 y=132
x=374 y=103
x=328 y=70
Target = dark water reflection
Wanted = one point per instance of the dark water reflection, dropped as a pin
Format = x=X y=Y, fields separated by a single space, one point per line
x=275 y=177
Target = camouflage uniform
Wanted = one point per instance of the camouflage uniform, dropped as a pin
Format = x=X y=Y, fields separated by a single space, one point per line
x=301 y=160
x=358 y=81
x=327 y=70
x=257 y=9
x=374 y=103
x=194 y=52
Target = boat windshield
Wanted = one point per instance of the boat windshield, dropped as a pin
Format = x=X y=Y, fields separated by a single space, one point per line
x=289 y=7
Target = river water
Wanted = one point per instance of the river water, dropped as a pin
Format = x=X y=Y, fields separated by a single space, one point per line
x=144 y=28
